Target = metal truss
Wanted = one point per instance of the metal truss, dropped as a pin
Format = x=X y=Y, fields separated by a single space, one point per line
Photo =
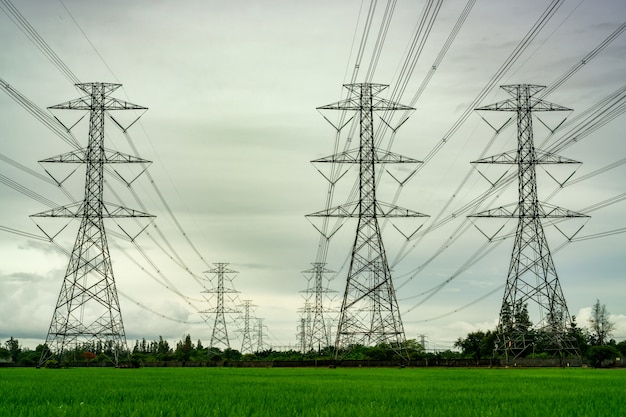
x=219 y=333
x=369 y=312
x=314 y=332
x=87 y=314
x=246 y=341
x=532 y=277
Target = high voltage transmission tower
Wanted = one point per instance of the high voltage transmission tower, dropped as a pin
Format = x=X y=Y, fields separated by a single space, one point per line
x=532 y=276
x=246 y=342
x=260 y=339
x=316 y=335
x=369 y=312
x=87 y=313
x=302 y=333
x=219 y=334
x=304 y=327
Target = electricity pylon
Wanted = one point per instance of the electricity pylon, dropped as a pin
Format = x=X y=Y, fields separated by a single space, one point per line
x=302 y=333
x=246 y=342
x=369 y=312
x=219 y=334
x=532 y=276
x=316 y=335
x=260 y=342
x=88 y=309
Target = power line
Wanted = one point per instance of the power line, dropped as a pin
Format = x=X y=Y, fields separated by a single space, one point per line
x=513 y=57
x=22 y=23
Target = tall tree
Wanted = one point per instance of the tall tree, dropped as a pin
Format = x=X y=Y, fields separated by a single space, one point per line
x=601 y=325
x=13 y=346
x=522 y=319
x=184 y=348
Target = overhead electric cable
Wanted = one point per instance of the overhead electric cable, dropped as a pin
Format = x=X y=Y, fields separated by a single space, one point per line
x=23 y=233
x=54 y=124
x=584 y=61
x=478 y=254
x=22 y=23
x=27 y=191
x=89 y=41
x=40 y=114
x=168 y=209
x=442 y=53
x=592 y=118
x=380 y=40
x=513 y=57
x=491 y=292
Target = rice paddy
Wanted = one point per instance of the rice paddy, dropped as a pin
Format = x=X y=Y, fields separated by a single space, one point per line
x=280 y=392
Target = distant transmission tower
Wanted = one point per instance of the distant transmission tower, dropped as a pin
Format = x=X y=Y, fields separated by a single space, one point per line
x=219 y=334
x=316 y=335
x=246 y=343
x=532 y=277
x=88 y=309
x=260 y=340
x=302 y=334
x=369 y=311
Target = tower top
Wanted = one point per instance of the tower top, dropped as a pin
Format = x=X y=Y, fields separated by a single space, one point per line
x=523 y=97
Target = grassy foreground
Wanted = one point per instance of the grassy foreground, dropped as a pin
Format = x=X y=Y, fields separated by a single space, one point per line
x=276 y=392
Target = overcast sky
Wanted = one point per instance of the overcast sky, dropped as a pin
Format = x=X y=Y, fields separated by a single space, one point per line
x=232 y=90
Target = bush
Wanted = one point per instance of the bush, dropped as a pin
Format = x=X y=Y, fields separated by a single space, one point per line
x=602 y=356
x=52 y=364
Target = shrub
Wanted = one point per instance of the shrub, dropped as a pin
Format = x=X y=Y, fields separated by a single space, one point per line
x=602 y=356
x=52 y=364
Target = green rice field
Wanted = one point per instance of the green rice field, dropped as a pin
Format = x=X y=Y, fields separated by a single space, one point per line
x=282 y=392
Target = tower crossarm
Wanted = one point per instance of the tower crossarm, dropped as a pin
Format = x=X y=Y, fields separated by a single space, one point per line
x=345 y=210
x=86 y=103
x=511 y=157
x=350 y=210
x=380 y=157
x=72 y=210
x=355 y=102
x=545 y=211
x=517 y=91
x=220 y=290
x=511 y=105
x=549 y=211
x=224 y=310
x=79 y=156
x=378 y=104
x=77 y=210
x=390 y=210
x=114 y=211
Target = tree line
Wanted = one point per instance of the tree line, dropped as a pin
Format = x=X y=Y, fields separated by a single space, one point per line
x=594 y=344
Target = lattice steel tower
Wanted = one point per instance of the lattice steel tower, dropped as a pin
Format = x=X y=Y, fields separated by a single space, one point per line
x=260 y=342
x=88 y=309
x=246 y=342
x=369 y=311
x=316 y=335
x=532 y=276
x=219 y=333
x=302 y=333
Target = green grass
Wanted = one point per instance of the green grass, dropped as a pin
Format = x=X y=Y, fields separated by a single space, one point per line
x=276 y=392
